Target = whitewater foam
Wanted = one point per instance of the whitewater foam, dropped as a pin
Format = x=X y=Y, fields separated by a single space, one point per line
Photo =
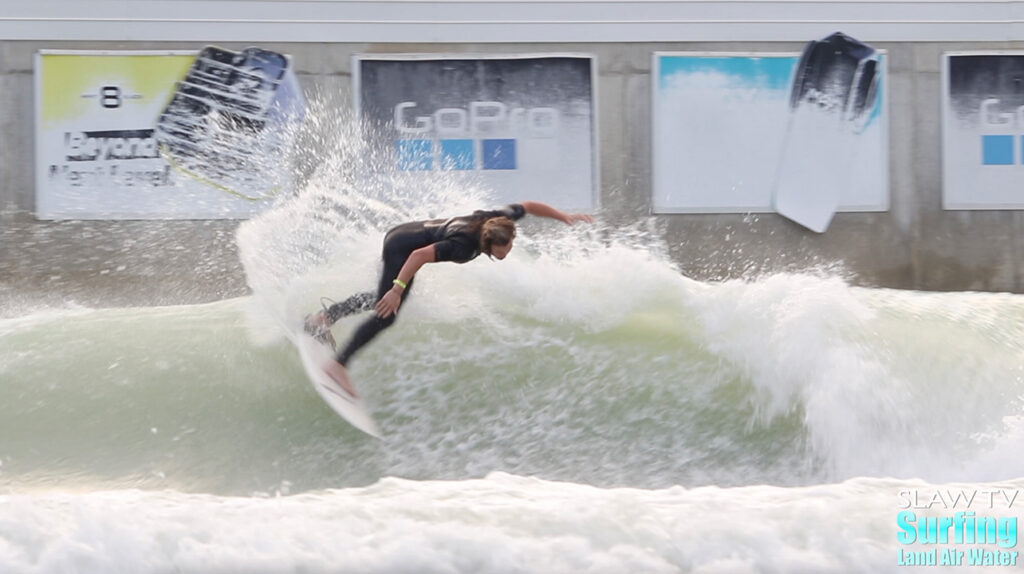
x=501 y=523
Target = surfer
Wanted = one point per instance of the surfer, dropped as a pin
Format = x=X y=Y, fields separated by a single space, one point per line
x=407 y=248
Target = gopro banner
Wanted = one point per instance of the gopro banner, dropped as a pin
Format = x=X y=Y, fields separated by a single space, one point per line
x=523 y=125
x=97 y=156
x=983 y=130
x=728 y=130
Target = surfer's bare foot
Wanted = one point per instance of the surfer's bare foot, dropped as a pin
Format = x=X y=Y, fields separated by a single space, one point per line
x=319 y=328
x=338 y=374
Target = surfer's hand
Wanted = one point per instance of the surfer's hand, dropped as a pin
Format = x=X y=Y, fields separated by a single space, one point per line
x=388 y=304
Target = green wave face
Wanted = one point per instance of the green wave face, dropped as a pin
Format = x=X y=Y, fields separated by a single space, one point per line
x=787 y=380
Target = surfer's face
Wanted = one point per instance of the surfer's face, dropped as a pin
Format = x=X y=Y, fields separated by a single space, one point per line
x=499 y=252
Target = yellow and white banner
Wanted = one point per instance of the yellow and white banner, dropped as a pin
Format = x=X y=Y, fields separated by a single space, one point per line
x=96 y=154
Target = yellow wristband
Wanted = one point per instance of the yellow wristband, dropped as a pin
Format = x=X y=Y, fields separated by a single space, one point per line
x=400 y=283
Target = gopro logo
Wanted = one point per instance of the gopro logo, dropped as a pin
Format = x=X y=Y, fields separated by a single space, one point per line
x=999 y=149
x=485 y=136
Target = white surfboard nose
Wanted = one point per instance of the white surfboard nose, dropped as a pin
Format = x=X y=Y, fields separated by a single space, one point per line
x=314 y=355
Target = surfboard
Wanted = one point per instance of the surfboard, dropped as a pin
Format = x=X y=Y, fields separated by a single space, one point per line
x=315 y=354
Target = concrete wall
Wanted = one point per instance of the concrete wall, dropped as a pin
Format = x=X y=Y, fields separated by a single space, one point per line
x=916 y=244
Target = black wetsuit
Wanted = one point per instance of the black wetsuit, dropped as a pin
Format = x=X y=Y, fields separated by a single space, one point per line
x=456 y=239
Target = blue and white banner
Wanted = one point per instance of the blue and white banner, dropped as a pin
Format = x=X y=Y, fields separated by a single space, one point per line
x=983 y=130
x=720 y=124
x=524 y=125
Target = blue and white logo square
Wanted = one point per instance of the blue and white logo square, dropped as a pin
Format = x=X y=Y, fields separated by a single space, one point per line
x=1002 y=138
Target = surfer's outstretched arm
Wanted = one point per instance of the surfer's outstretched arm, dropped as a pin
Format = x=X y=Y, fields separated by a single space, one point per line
x=389 y=302
x=539 y=209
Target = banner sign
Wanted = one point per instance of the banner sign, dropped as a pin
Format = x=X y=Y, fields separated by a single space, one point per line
x=232 y=120
x=523 y=124
x=722 y=131
x=97 y=156
x=983 y=130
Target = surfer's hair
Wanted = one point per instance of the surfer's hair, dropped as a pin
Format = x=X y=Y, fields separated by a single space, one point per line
x=496 y=231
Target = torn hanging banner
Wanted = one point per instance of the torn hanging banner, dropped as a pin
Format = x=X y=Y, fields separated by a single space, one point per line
x=231 y=121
